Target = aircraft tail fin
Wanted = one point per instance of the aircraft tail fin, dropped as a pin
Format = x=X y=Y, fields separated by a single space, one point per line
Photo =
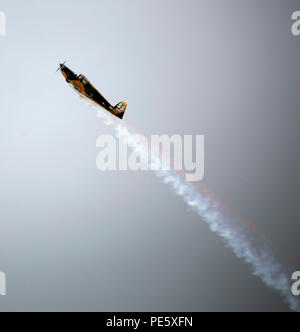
x=120 y=109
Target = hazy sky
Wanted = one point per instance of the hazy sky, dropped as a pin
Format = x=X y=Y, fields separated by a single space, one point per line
x=75 y=238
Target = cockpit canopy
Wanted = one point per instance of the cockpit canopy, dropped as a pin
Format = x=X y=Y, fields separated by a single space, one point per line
x=83 y=79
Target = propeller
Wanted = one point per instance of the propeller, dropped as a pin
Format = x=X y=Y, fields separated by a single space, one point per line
x=61 y=66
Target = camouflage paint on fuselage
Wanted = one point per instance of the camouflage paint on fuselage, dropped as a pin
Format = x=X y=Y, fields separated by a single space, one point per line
x=84 y=87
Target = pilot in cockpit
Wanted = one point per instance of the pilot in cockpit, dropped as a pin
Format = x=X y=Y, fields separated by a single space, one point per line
x=83 y=79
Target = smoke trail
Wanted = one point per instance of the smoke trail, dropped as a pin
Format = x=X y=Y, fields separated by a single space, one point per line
x=244 y=243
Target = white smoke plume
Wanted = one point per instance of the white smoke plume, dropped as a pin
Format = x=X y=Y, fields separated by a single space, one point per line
x=246 y=245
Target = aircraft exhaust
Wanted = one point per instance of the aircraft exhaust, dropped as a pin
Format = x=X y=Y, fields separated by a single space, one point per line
x=273 y=271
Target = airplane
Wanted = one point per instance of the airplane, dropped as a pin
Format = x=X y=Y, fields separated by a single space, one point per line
x=82 y=85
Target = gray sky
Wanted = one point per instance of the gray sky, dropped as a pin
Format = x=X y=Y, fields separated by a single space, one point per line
x=73 y=238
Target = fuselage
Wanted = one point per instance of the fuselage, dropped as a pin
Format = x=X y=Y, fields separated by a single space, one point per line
x=83 y=86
